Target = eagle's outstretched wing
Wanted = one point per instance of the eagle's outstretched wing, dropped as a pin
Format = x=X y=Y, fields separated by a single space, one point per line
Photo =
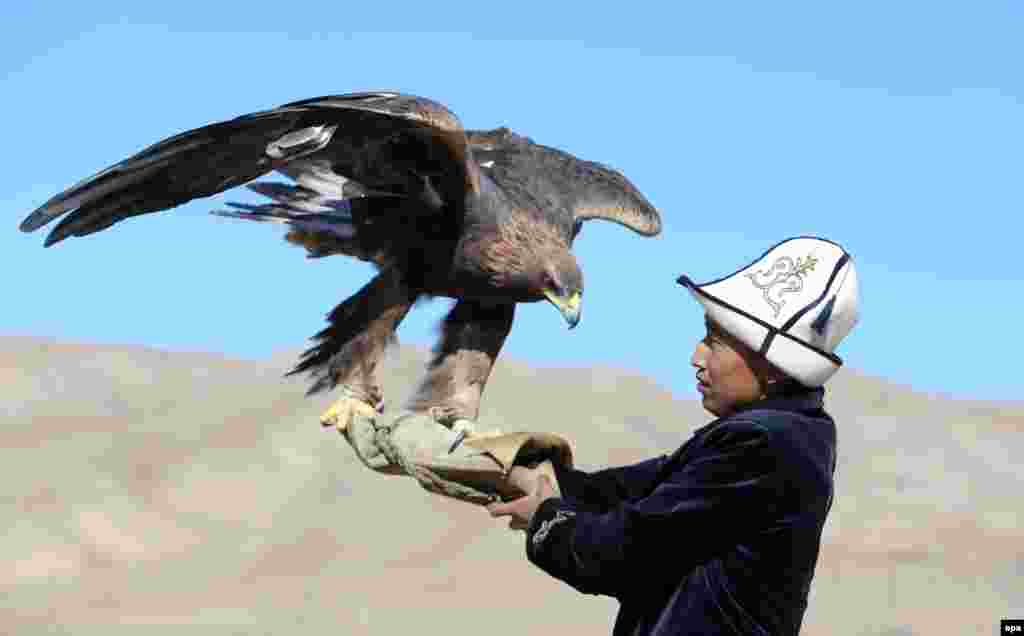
x=569 y=188
x=404 y=145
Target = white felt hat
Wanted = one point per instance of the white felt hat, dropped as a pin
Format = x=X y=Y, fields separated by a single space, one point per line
x=794 y=305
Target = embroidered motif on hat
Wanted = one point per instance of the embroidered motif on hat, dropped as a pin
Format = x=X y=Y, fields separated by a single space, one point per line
x=783 y=271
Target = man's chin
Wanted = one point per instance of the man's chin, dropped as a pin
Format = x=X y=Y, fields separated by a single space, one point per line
x=709 y=405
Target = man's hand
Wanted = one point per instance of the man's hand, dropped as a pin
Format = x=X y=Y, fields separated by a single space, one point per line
x=522 y=510
x=523 y=478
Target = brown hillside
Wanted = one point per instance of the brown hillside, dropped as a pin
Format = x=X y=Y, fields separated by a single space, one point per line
x=144 y=490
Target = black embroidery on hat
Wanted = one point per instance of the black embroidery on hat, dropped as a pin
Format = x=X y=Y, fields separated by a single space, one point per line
x=819 y=323
x=783 y=271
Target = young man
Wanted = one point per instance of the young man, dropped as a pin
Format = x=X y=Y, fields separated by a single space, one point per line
x=721 y=536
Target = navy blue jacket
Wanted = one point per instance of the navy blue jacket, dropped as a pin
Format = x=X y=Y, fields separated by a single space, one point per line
x=721 y=537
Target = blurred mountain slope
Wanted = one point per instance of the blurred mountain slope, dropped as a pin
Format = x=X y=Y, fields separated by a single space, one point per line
x=144 y=490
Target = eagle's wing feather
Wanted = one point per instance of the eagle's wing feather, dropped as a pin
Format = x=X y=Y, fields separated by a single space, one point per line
x=385 y=141
x=562 y=183
x=394 y=142
x=600 y=192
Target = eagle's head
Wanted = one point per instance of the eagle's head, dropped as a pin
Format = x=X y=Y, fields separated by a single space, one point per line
x=529 y=259
x=561 y=283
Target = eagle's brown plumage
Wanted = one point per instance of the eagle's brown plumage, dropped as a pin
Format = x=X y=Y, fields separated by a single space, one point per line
x=485 y=217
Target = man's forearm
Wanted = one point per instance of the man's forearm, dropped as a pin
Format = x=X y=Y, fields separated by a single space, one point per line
x=601 y=490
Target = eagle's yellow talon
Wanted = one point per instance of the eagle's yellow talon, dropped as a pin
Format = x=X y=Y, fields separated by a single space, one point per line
x=340 y=414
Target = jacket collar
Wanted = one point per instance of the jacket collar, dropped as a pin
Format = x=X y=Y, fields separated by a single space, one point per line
x=803 y=400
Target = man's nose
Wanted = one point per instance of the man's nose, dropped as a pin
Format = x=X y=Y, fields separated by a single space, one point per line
x=699 y=355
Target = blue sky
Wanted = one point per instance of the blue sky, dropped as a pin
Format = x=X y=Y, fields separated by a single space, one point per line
x=895 y=129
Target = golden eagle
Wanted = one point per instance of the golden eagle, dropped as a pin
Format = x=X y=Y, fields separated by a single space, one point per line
x=485 y=217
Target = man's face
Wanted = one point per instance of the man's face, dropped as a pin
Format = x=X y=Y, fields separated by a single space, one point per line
x=726 y=376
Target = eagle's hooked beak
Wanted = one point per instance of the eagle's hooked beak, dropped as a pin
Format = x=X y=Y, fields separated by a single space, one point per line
x=569 y=307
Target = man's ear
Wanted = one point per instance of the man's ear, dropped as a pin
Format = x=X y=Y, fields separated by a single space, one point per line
x=772 y=377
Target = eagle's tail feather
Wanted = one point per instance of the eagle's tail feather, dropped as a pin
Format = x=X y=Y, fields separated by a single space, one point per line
x=360 y=329
x=322 y=220
x=296 y=206
x=338 y=225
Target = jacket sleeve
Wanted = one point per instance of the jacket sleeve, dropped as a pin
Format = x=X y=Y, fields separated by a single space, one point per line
x=601 y=490
x=726 y=487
